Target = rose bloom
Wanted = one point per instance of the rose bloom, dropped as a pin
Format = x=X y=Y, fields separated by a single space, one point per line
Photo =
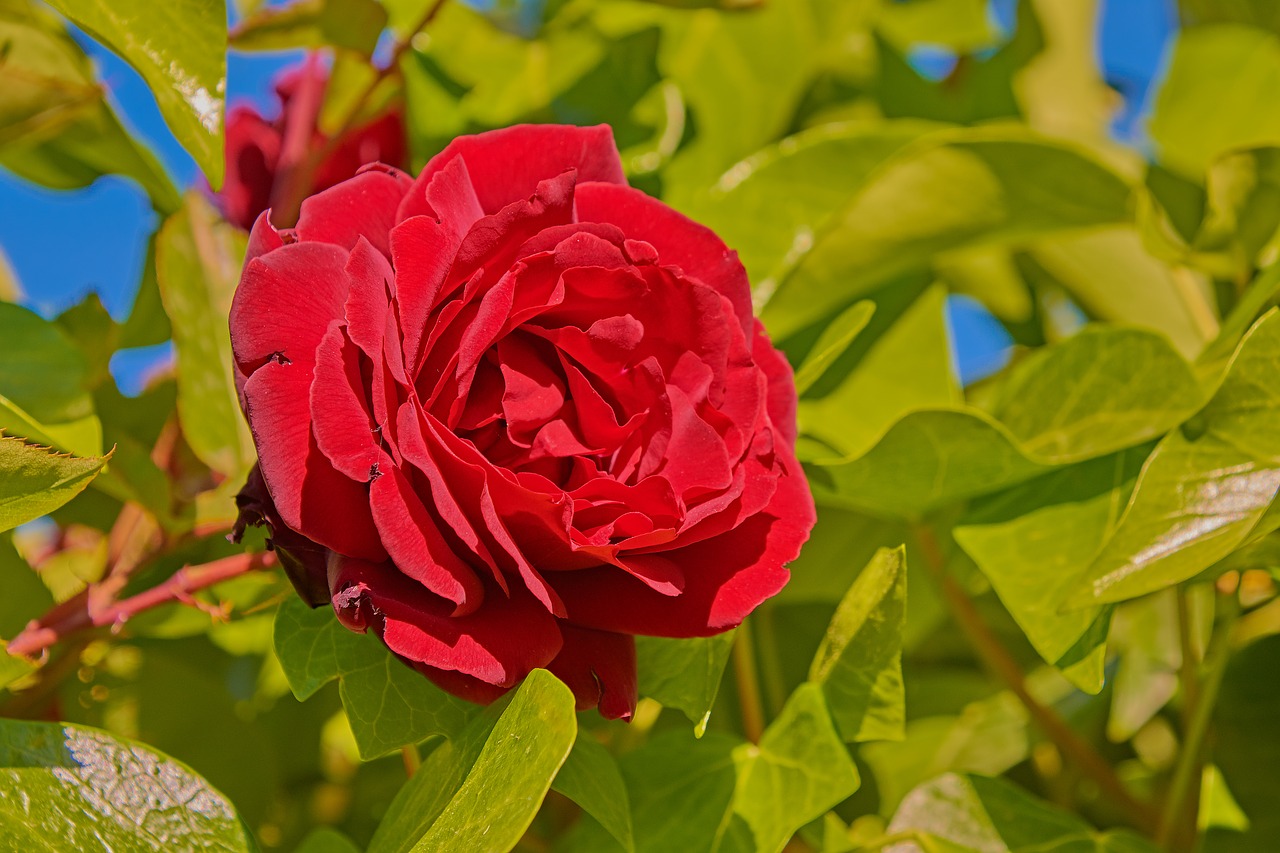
x=254 y=145
x=514 y=412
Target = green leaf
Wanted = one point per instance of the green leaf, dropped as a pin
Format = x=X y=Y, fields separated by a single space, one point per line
x=388 y=704
x=590 y=777
x=968 y=188
x=1246 y=757
x=323 y=839
x=799 y=770
x=1191 y=122
x=198 y=260
x=962 y=25
x=979 y=813
x=1033 y=541
x=1205 y=487
x=55 y=127
x=34 y=481
x=349 y=24
x=480 y=790
x=685 y=673
x=772 y=206
x=719 y=794
x=859 y=664
x=42 y=385
x=179 y=48
x=832 y=343
x=70 y=787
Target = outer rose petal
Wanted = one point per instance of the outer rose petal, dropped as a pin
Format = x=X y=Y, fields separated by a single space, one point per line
x=364 y=206
x=304 y=561
x=727 y=576
x=507 y=165
x=600 y=668
x=499 y=644
x=679 y=240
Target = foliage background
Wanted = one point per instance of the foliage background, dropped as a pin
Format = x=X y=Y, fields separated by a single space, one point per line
x=1021 y=254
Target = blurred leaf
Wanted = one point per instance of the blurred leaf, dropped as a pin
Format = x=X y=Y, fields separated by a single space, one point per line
x=481 y=789
x=389 y=705
x=961 y=25
x=978 y=813
x=987 y=737
x=34 y=481
x=89 y=790
x=198 y=259
x=684 y=673
x=10 y=287
x=42 y=385
x=590 y=777
x=350 y=24
x=1243 y=211
x=1259 y=13
x=323 y=839
x=1192 y=124
x=972 y=187
x=1218 y=808
x=832 y=343
x=26 y=598
x=1144 y=639
x=55 y=126
x=1205 y=487
x=859 y=664
x=179 y=48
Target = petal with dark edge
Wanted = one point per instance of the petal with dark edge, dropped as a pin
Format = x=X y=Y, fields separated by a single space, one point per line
x=600 y=668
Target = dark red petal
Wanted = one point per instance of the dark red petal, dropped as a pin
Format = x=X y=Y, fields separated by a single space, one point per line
x=782 y=386
x=343 y=428
x=600 y=668
x=362 y=206
x=506 y=165
x=304 y=562
x=499 y=644
x=310 y=495
x=726 y=577
x=422 y=252
x=285 y=302
x=369 y=300
x=415 y=544
x=679 y=240
x=252 y=152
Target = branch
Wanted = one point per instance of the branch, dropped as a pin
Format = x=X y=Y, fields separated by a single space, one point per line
x=997 y=658
x=82 y=613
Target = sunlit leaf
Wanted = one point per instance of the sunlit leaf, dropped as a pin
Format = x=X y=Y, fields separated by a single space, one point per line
x=34 y=481
x=179 y=48
x=482 y=788
x=89 y=789
x=685 y=673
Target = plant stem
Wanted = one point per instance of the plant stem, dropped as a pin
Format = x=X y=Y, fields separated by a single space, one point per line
x=775 y=685
x=1178 y=819
x=83 y=612
x=997 y=658
x=744 y=671
x=412 y=759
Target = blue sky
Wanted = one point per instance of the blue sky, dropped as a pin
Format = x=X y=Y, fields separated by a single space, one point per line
x=64 y=245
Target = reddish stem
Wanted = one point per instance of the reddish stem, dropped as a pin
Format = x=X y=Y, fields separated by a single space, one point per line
x=80 y=613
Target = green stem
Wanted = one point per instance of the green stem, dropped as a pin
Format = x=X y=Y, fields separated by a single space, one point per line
x=745 y=674
x=1184 y=789
x=1075 y=749
x=412 y=759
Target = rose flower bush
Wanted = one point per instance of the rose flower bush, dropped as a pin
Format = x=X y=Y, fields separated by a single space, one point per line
x=514 y=412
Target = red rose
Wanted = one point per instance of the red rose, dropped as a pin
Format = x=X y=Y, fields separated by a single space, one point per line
x=514 y=412
x=255 y=146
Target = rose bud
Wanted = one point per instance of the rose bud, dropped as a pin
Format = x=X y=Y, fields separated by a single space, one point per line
x=255 y=146
x=514 y=412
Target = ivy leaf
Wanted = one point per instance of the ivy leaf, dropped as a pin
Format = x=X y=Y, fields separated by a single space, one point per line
x=1205 y=488
x=35 y=481
x=590 y=777
x=481 y=789
x=684 y=673
x=180 y=49
x=388 y=704
x=88 y=789
x=198 y=260
x=973 y=187
x=980 y=813
x=859 y=664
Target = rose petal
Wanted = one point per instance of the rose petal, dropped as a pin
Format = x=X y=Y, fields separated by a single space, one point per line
x=344 y=430
x=362 y=206
x=600 y=668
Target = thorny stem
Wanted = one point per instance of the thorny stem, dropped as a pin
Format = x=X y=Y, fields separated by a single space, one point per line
x=84 y=612
x=997 y=658
x=748 y=681
x=1181 y=806
x=298 y=184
